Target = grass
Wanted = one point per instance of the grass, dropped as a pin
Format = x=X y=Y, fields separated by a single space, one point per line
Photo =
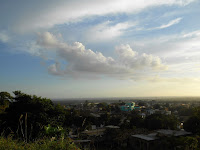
x=43 y=144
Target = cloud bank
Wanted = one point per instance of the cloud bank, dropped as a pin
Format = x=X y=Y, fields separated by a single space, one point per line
x=82 y=62
x=44 y=14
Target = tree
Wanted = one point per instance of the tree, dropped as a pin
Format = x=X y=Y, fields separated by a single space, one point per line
x=104 y=106
x=192 y=125
x=193 y=122
x=156 y=106
x=104 y=118
x=190 y=143
x=114 y=120
x=159 y=121
x=86 y=104
x=30 y=113
x=136 y=120
x=142 y=103
x=5 y=99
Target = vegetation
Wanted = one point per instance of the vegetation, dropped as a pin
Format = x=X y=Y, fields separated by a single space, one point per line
x=43 y=144
x=193 y=123
x=159 y=121
x=31 y=122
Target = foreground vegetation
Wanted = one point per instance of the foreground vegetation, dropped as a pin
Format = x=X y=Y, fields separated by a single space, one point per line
x=32 y=123
x=45 y=144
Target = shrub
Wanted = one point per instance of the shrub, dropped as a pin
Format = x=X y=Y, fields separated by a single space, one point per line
x=43 y=144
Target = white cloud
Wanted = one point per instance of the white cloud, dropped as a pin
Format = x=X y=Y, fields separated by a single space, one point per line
x=81 y=61
x=125 y=51
x=55 y=69
x=173 y=47
x=49 y=13
x=132 y=59
x=47 y=40
x=181 y=80
x=106 y=31
x=191 y=34
x=184 y=45
x=171 y=23
x=4 y=37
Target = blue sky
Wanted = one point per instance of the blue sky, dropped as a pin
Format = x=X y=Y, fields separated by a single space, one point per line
x=93 y=48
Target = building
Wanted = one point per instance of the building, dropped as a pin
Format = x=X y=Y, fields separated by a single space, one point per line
x=153 y=140
x=128 y=106
x=150 y=111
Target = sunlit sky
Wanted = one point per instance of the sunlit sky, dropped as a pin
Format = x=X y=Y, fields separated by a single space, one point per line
x=100 y=48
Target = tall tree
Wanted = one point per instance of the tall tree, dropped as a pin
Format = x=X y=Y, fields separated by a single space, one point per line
x=193 y=122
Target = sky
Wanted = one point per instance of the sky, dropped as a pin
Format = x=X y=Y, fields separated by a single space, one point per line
x=100 y=48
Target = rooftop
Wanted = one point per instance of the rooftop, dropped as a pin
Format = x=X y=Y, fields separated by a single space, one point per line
x=112 y=127
x=161 y=132
x=149 y=137
x=173 y=132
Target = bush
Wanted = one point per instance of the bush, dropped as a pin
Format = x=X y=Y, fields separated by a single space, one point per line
x=43 y=144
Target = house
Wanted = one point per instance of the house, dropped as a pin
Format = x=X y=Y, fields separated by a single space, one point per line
x=153 y=140
x=150 y=111
x=137 y=108
x=95 y=132
x=168 y=112
x=143 y=115
x=127 y=106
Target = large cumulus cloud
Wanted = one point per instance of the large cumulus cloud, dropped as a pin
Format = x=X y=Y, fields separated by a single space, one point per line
x=81 y=61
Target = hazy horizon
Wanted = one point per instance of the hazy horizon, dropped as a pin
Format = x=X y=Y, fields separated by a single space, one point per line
x=85 y=49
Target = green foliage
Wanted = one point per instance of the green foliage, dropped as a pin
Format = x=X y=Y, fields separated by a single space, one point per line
x=86 y=104
x=182 y=110
x=5 y=99
x=104 y=118
x=117 y=109
x=183 y=143
x=193 y=123
x=159 y=121
x=141 y=103
x=196 y=111
x=44 y=144
x=111 y=134
x=114 y=120
x=178 y=143
x=136 y=120
x=58 y=132
x=39 y=111
x=156 y=106
x=104 y=106
x=28 y=118
x=190 y=143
